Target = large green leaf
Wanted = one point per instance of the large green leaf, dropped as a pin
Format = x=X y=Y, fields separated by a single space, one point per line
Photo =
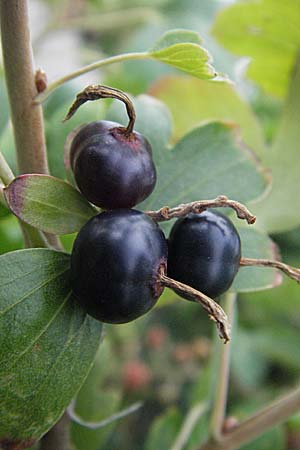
x=182 y=49
x=256 y=245
x=279 y=211
x=48 y=203
x=47 y=342
x=268 y=32
x=207 y=162
x=193 y=102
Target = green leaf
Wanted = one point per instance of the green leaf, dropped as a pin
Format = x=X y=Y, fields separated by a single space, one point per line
x=194 y=102
x=268 y=32
x=153 y=120
x=164 y=430
x=279 y=211
x=205 y=163
x=181 y=49
x=48 y=203
x=256 y=244
x=47 y=342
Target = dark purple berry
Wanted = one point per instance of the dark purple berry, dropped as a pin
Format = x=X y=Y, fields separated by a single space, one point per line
x=204 y=252
x=112 y=168
x=115 y=265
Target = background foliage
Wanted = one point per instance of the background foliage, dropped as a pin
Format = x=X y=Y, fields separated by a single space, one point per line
x=209 y=137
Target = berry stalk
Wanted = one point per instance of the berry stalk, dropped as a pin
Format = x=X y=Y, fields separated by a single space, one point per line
x=214 y=310
x=166 y=213
x=290 y=271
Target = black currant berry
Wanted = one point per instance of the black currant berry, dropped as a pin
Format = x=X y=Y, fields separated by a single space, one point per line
x=204 y=252
x=112 y=168
x=115 y=265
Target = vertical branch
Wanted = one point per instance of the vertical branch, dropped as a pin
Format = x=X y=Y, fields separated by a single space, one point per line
x=220 y=402
x=27 y=118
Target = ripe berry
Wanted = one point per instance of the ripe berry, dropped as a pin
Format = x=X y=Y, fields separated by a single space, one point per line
x=112 y=168
x=204 y=252
x=115 y=265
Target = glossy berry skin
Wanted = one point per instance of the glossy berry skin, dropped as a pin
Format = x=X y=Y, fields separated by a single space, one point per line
x=204 y=252
x=112 y=169
x=115 y=262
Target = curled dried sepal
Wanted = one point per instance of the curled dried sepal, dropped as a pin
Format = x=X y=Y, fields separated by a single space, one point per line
x=216 y=313
x=290 y=271
x=200 y=206
x=96 y=92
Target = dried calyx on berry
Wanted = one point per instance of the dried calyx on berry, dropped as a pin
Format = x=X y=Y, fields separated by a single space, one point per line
x=204 y=252
x=112 y=164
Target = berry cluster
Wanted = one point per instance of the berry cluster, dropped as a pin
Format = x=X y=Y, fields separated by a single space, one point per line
x=119 y=256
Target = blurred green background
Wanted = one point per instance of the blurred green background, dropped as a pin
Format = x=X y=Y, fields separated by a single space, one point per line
x=167 y=360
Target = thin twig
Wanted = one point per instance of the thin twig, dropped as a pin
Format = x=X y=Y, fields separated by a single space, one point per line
x=290 y=271
x=200 y=206
x=214 y=310
x=188 y=425
x=6 y=173
x=96 y=65
x=260 y=422
x=221 y=390
x=103 y=423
